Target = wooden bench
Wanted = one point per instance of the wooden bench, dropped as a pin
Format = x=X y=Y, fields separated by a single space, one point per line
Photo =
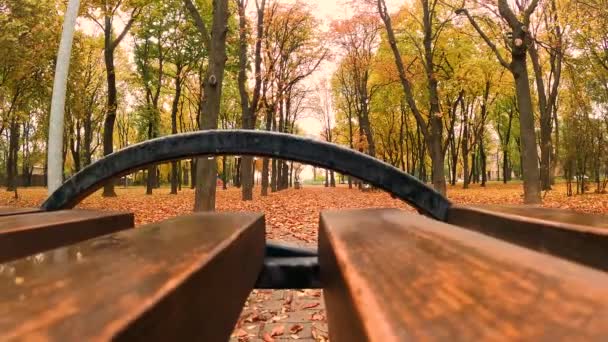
x=34 y=232
x=577 y=237
x=420 y=279
x=456 y=273
x=174 y=280
x=8 y=211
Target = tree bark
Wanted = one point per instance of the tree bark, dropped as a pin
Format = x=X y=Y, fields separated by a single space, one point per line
x=174 y=109
x=433 y=135
x=13 y=156
x=520 y=41
x=265 y=164
x=112 y=103
x=526 y=123
x=249 y=109
x=204 y=199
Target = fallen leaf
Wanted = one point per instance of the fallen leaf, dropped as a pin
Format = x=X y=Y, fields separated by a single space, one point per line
x=310 y=305
x=277 y=331
x=278 y=318
x=267 y=338
x=296 y=328
x=317 y=316
x=240 y=333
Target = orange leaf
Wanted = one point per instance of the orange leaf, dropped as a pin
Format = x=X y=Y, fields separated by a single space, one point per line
x=277 y=331
x=296 y=328
x=310 y=305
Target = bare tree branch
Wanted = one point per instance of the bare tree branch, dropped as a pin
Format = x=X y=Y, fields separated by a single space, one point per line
x=199 y=23
x=488 y=41
x=124 y=32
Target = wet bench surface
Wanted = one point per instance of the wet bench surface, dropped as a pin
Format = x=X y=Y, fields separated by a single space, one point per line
x=25 y=234
x=186 y=278
x=581 y=238
x=8 y=211
x=393 y=276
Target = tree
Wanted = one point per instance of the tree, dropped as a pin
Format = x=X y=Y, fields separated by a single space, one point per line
x=519 y=42
x=184 y=53
x=249 y=108
x=358 y=38
x=151 y=39
x=215 y=43
x=109 y=11
x=27 y=59
x=547 y=86
x=85 y=103
x=322 y=107
x=432 y=129
x=292 y=50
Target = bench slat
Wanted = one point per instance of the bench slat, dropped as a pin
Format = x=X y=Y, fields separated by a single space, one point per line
x=183 y=279
x=27 y=234
x=393 y=276
x=8 y=211
x=577 y=237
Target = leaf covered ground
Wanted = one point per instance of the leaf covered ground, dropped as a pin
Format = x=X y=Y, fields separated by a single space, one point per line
x=292 y=216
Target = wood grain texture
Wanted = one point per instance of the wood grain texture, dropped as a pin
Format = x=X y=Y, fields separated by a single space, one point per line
x=577 y=237
x=394 y=276
x=8 y=211
x=27 y=234
x=183 y=279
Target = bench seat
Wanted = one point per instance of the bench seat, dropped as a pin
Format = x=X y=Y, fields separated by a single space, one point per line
x=26 y=234
x=393 y=276
x=581 y=238
x=186 y=278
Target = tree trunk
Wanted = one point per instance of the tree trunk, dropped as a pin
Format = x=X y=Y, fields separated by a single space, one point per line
x=108 y=125
x=150 y=179
x=436 y=124
x=246 y=165
x=483 y=163
x=174 y=109
x=265 y=164
x=193 y=173
x=224 y=172
x=290 y=174
x=204 y=199
x=528 y=135
x=13 y=156
x=273 y=177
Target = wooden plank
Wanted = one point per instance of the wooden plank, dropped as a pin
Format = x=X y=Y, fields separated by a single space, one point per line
x=183 y=279
x=8 y=211
x=393 y=276
x=27 y=234
x=576 y=237
x=551 y=214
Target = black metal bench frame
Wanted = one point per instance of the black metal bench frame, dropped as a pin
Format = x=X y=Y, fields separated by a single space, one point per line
x=293 y=267
x=285 y=266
